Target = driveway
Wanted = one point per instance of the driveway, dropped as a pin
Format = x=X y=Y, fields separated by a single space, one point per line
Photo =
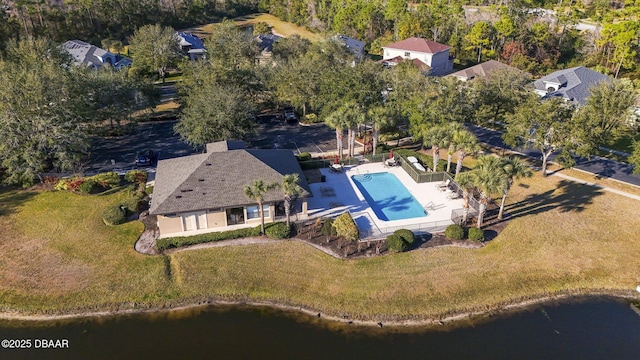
x=597 y=165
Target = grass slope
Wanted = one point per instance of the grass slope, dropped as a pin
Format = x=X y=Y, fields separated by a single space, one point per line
x=563 y=237
x=280 y=27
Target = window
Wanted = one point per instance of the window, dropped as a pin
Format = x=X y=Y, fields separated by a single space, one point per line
x=254 y=213
x=407 y=54
x=235 y=216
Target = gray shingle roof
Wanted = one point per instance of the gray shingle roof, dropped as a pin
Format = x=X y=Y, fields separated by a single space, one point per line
x=482 y=69
x=93 y=56
x=574 y=83
x=217 y=179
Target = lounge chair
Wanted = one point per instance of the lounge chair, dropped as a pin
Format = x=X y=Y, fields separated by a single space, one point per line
x=453 y=195
x=419 y=166
x=444 y=186
x=336 y=168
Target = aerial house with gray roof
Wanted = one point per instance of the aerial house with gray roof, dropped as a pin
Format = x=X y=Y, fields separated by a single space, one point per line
x=205 y=192
x=569 y=84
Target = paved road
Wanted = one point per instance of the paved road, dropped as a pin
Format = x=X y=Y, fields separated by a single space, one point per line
x=596 y=165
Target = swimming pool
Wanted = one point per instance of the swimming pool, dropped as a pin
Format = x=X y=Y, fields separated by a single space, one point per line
x=388 y=198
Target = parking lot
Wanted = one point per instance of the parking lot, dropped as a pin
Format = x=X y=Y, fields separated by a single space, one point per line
x=119 y=153
x=275 y=133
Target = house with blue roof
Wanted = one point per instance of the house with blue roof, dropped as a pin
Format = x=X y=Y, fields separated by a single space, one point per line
x=94 y=57
x=570 y=84
x=356 y=47
x=191 y=45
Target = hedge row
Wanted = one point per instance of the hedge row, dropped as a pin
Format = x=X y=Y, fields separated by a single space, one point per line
x=457 y=232
x=179 y=241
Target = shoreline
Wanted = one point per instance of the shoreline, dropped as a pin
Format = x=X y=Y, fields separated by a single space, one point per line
x=397 y=323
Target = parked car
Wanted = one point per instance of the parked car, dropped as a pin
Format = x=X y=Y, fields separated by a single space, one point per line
x=146 y=158
x=290 y=115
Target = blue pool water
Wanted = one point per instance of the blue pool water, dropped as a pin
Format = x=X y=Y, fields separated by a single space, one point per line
x=389 y=199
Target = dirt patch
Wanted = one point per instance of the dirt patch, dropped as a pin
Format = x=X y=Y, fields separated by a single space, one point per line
x=146 y=244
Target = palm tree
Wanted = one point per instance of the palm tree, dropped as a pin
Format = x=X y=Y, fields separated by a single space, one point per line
x=465 y=182
x=448 y=137
x=352 y=116
x=379 y=116
x=465 y=142
x=436 y=136
x=291 y=190
x=513 y=169
x=488 y=177
x=335 y=120
x=256 y=193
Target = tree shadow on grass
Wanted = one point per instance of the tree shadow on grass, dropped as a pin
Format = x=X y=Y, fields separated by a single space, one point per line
x=12 y=199
x=567 y=197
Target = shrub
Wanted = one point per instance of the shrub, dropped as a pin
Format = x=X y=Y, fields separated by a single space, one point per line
x=475 y=234
x=62 y=185
x=327 y=228
x=132 y=203
x=136 y=176
x=396 y=243
x=277 y=230
x=88 y=187
x=346 y=227
x=74 y=184
x=406 y=235
x=311 y=119
x=113 y=215
x=305 y=156
x=454 y=232
x=174 y=242
x=109 y=179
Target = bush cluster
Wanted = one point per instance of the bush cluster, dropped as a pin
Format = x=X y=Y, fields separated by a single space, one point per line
x=454 y=232
x=90 y=184
x=136 y=176
x=346 y=227
x=113 y=215
x=278 y=230
x=109 y=179
x=175 y=242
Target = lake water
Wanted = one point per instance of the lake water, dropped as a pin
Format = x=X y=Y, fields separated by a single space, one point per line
x=594 y=328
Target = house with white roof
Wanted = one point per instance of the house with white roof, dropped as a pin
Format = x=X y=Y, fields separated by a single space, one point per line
x=422 y=52
x=93 y=56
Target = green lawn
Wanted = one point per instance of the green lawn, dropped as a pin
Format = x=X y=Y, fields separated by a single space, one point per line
x=59 y=257
x=280 y=27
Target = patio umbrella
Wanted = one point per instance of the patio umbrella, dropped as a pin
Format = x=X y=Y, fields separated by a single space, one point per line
x=335 y=160
x=391 y=154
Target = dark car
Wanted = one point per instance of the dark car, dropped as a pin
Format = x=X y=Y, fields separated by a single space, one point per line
x=146 y=158
x=290 y=115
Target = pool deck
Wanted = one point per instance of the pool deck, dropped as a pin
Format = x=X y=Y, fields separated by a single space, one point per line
x=339 y=193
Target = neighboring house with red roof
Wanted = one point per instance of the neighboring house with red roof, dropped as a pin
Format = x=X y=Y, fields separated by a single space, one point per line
x=422 y=52
x=205 y=192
